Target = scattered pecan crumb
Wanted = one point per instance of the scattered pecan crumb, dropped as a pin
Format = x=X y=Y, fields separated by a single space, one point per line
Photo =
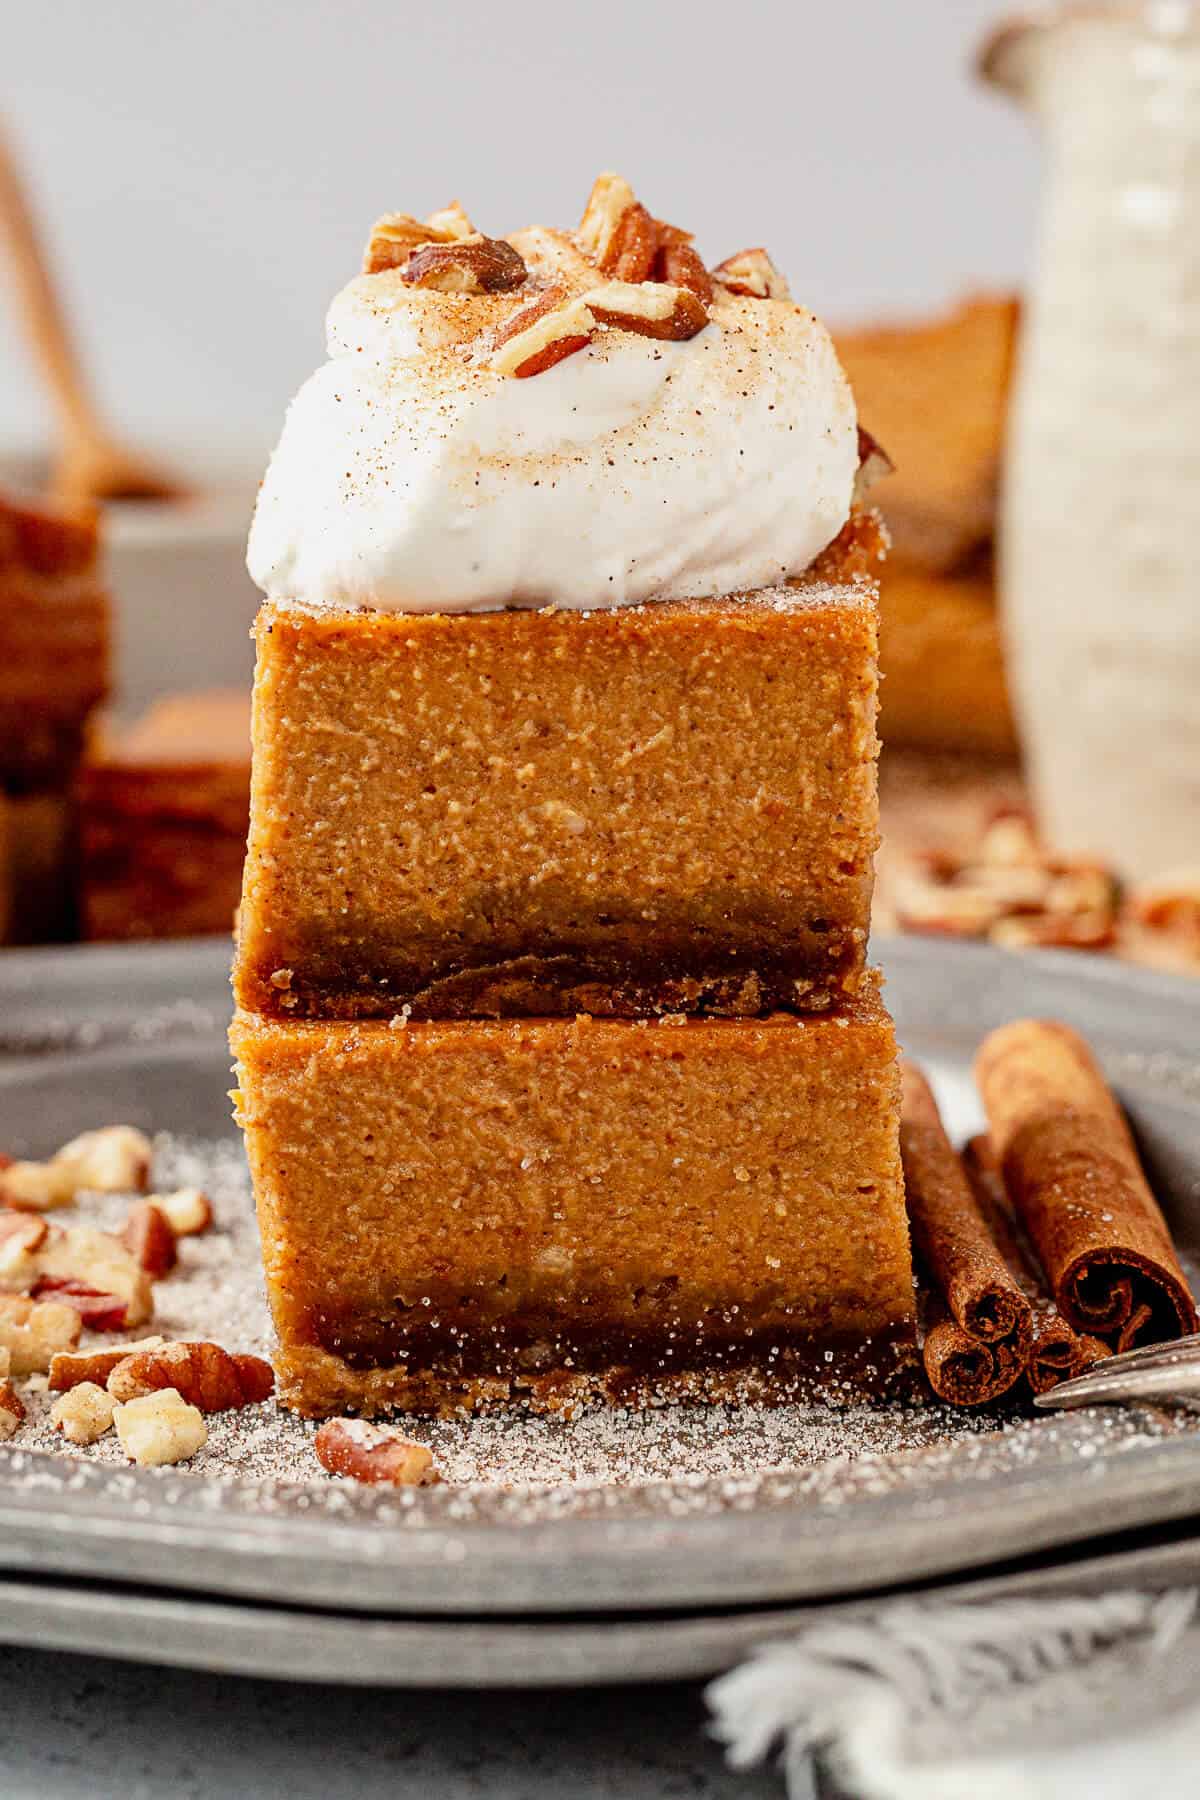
x=1171 y=906
x=111 y=1160
x=94 y=1271
x=188 y=1211
x=12 y=1409
x=84 y=1413
x=71 y=1367
x=33 y=1332
x=160 y=1428
x=204 y=1374
x=373 y=1454
x=149 y=1239
x=1011 y=891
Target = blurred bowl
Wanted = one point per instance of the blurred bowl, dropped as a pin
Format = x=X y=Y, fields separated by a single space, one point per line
x=183 y=601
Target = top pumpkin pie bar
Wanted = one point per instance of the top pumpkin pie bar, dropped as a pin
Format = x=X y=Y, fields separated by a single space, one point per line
x=566 y=681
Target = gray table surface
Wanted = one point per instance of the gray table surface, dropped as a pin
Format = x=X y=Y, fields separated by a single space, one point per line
x=78 y=1728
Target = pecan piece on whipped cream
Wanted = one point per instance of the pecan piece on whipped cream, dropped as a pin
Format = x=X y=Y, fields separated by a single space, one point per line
x=628 y=243
x=873 y=464
x=654 y=309
x=677 y=262
x=752 y=272
x=474 y=265
x=395 y=236
x=610 y=200
x=449 y=223
x=541 y=334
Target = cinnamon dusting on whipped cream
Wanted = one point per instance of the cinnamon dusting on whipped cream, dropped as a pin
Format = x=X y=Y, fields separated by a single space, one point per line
x=414 y=474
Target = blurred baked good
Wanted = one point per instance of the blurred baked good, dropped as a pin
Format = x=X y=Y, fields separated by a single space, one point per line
x=164 y=810
x=935 y=394
x=54 y=671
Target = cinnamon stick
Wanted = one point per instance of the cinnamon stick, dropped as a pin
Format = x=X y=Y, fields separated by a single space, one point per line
x=979 y=1323
x=1059 y=1352
x=1072 y=1171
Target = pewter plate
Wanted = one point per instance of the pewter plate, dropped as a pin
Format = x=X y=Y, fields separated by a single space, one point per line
x=297 y=1644
x=88 y=1036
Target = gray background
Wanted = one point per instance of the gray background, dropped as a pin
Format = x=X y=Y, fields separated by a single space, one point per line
x=208 y=172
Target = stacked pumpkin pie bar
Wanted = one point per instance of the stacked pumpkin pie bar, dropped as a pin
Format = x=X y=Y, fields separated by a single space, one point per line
x=54 y=672
x=560 y=1066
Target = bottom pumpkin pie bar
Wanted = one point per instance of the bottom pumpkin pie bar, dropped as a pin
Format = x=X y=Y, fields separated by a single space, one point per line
x=476 y=1212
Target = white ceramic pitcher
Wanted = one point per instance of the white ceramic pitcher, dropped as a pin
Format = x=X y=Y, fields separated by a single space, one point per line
x=1100 y=564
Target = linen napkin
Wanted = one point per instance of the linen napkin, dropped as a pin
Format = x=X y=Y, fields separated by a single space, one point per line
x=1065 y=1698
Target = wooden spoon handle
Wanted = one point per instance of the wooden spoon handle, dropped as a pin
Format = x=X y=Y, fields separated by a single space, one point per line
x=45 y=320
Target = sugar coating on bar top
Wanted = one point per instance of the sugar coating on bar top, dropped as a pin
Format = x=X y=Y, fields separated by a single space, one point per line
x=663 y=808
x=468 y=1213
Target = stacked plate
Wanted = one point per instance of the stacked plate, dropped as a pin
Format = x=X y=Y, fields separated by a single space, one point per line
x=510 y=1585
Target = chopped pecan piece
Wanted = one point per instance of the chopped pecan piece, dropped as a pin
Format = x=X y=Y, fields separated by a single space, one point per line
x=160 y=1428
x=1171 y=905
x=188 y=1211
x=475 y=265
x=95 y=1272
x=71 y=1367
x=98 y=1310
x=22 y=1235
x=650 y=308
x=149 y=1239
x=393 y=239
x=752 y=272
x=374 y=1454
x=678 y=263
x=1050 y=931
x=395 y=236
x=23 y=1228
x=610 y=200
x=205 y=1375
x=1009 y=842
x=35 y=1186
x=113 y=1160
x=629 y=244
x=1011 y=891
x=84 y=1413
x=33 y=1332
x=12 y=1410
x=450 y=223
x=635 y=247
x=541 y=334
x=873 y=464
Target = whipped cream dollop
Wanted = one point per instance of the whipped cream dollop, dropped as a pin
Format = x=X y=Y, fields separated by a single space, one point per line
x=413 y=477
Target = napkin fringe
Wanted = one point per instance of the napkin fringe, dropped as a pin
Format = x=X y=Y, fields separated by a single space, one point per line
x=859 y=1691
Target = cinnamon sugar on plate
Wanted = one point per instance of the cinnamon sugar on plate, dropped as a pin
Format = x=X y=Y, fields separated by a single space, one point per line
x=520 y=1469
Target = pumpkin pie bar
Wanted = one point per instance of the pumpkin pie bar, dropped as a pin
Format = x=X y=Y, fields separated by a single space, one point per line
x=164 y=807
x=465 y=1213
x=638 y=810
x=937 y=392
x=54 y=670
x=561 y=1071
